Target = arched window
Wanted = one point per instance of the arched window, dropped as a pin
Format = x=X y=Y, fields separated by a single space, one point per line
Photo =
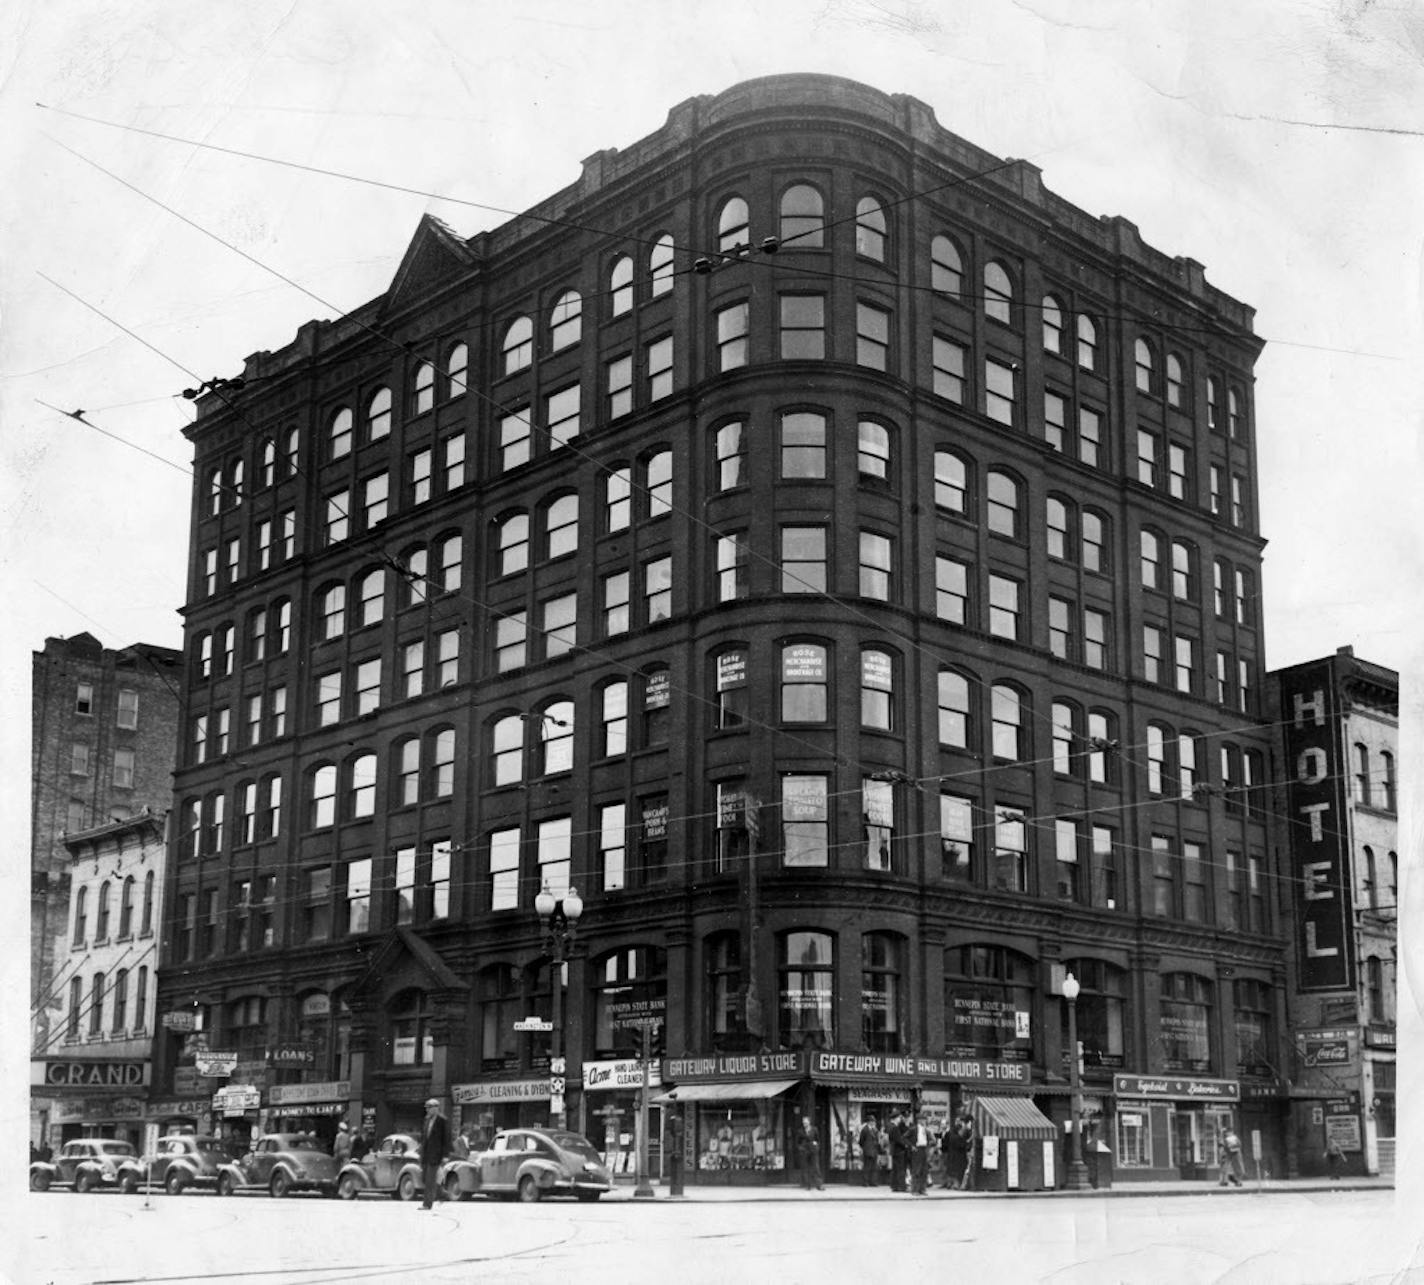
x=1087 y=343
x=1151 y=560
x=512 y=541
x=414 y=569
x=518 y=347
x=507 y=749
x=96 y=1003
x=236 y=473
x=1213 y=404
x=657 y=481
x=1362 y=775
x=331 y=610
x=457 y=365
x=361 y=787
x=805 y=682
x=556 y=737
x=146 y=919
x=1185 y=1033
x=871 y=229
x=371 y=589
x=323 y=796
x=727 y=1031
x=442 y=763
x=626 y=980
x=378 y=415
x=449 y=556
x=126 y=908
x=881 y=1002
x=873 y=451
x=1052 y=325
x=76 y=1005
x=951 y=482
x=338 y=435
x=269 y=462
x=998 y=292
x=121 y=1001
x=1008 y=717
x=1094 y=534
x=424 y=397
x=806 y=965
x=1387 y=780
x=877 y=689
x=215 y=491
x=946 y=267
x=1145 y=361
x=101 y=919
x=405 y=754
x=1101 y=1002
x=660 y=265
x=409 y=1017
x=954 y=709
x=620 y=285
x=566 y=320
x=1003 y=504
x=613 y=718
x=988 y=990
x=1175 y=395
x=81 y=915
x=1184 y=575
x=802 y=217
x=733 y=226
x=561 y=526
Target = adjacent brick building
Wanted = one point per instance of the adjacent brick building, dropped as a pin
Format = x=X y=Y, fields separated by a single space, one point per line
x=829 y=550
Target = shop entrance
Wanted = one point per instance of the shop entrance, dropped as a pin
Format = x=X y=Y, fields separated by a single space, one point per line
x=1196 y=1134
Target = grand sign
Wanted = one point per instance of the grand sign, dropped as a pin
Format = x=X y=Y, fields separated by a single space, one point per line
x=1316 y=769
x=91 y=1075
x=1176 y=1086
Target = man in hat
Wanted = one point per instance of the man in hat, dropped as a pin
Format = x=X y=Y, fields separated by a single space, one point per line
x=434 y=1143
x=341 y=1147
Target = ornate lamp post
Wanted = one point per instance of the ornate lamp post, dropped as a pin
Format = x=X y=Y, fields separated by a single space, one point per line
x=1077 y=1170
x=558 y=918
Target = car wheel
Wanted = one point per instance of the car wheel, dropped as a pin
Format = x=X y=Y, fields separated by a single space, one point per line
x=529 y=1190
x=348 y=1188
x=281 y=1184
x=128 y=1184
x=452 y=1187
x=83 y=1183
x=587 y=1195
x=405 y=1188
x=175 y=1182
x=39 y=1182
x=225 y=1184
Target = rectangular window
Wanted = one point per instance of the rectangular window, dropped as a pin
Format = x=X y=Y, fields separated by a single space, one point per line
x=514 y=439
x=731 y=688
x=1214 y=483
x=420 y=477
x=999 y=391
x=128 y=708
x=1104 y=876
x=376 y=499
x=1152 y=653
x=1065 y=839
x=657 y=589
x=876 y=566
x=1164 y=884
x=1179 y=461
x=615 y=603
x=454 y=448
x=264 y=544
x=124 y=768
x=367 y=686
x=878 y=821
x=950 y=360
x=659 y=368
x=561 y=415
x=951 y=590
x=803 y=327
x=210 y=571
x=254 y=719
x=620 y=386
x=872 y=336
x=652 y=841
x=447 y=658
x=279 y=711
x=1095 y=639
x=1060 y=614
x=504 y=869
x=358 y=896
x=956 y=837
x=412 y=669
x=509 y=641
x=731 y=567
x=1223 y=678
x=1238 y=500
x=554 y=855
x=338 y=524
x=1186 y=662
x=803 y=559
x=328 y=699
x=1010 y=852
x=287 y=524
x=1146 y=458
x=803 y=446
x=1243 y=686
x=440 y=879
x=732 y=336
x=1090 y=436
x=200 y=748
x=1195 y=908
x=1055 y=420
x=222 y=725
x=731 y=456
x=1003 y=607
x=805 y=821
x=560 y=623
x=405 y=885
x=234 y=560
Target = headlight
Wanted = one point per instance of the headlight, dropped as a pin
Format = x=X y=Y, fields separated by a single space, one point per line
x=298 y=1172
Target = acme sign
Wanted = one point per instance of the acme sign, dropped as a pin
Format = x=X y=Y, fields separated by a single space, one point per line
x=94 y=1074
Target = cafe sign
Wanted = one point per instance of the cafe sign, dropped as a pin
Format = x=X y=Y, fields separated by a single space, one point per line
x=1177 y=1087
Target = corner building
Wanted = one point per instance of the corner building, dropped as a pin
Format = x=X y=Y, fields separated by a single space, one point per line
x=833 y=554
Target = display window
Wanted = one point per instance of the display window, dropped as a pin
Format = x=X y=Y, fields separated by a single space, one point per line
x=742 y=1135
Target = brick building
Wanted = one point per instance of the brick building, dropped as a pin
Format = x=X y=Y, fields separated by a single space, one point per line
x=104 y=735
x=829 y=550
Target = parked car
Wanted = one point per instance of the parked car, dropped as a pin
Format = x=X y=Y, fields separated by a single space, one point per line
x=280 y=1163
x=179 y=1161
x=393 y=1169
x=83 y=1164
x=530 y=1164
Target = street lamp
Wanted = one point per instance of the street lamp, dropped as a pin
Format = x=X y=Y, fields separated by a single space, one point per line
x=1077 y=1170
x=558 y=918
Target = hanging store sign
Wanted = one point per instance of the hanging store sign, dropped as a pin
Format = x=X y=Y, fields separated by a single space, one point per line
x=237 y=1098
x=1176 y=1086
x=294 y=1053
x=323 y=1091
x=181 y=1019
x=1327 y=1046
x=1316 y=769
x=626 y=1073
x=216 y=1064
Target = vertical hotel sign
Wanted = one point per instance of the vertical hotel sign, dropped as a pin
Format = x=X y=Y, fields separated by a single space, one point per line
x=1316 y=768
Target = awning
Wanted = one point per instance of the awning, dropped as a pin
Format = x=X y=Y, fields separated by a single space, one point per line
x=875 y=1090
x=727 y=1091
x=1012 y=1118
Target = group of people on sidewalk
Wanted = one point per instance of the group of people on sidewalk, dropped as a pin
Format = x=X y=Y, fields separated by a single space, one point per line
x=905 y=1145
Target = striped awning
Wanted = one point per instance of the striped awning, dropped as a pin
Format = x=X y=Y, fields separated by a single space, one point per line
x=1012 y=1118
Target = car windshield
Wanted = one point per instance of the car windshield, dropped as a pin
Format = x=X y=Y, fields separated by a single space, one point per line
x=116 y=1149
x=304 y=1142
x=210 y=1147
x=578 y=1144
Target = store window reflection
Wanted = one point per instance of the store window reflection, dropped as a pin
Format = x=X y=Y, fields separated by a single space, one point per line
x=1100 y=1008
x=807 y=990
x=880 y=1016
x=1186 y=1023
x=724 y=997
x=629 y=984
x=988 y=1003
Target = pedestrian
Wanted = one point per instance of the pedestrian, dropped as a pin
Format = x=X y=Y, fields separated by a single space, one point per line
x=919 y=1140
x=951 y=1144
x=971 y=1150
x=1231 y=1170
x=869 y=1151
x=1334 y=1159
x=341 y=1145
x=359 y=1146
x=808 y=1152
x=461 y=1146
x=899 y=1152
x=434 y=1143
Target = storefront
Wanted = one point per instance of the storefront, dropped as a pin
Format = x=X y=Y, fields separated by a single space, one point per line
x=236 y=1116
x=315 y=1108
x=179 y=1115
x=610 y=1105
x=1170 y=1126
x=88 y=1098
x=490 y=1105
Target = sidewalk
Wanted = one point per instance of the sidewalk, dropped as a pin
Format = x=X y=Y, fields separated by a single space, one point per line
x=842 y=1192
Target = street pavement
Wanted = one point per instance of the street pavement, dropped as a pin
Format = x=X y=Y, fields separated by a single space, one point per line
x=1279 y=1234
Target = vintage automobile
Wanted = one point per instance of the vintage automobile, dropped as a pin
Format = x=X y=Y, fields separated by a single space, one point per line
x=83 y=1164
x=280 y=1163
x=529 y=1164
x=179 y=1161
x=392 y=1169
